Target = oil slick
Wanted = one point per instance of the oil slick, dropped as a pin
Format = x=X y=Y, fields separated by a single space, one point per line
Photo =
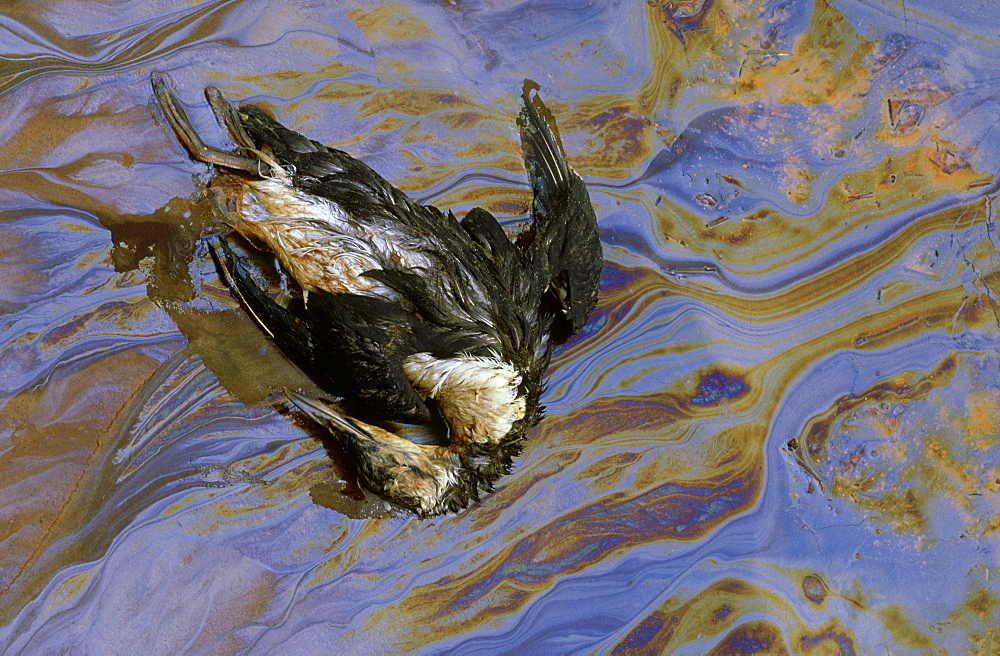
x=717 y=465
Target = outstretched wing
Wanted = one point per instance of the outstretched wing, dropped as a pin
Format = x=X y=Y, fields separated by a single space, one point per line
x=566 y=237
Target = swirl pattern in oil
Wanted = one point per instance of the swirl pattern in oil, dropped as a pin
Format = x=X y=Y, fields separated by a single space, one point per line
x=780 y=432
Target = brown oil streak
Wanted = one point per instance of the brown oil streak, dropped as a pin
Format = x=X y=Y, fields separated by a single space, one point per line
x=721 y=608
x=69 y=498
x=508 y=593
x=816 y=290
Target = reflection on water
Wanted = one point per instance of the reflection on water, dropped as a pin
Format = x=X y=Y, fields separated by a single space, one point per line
x=778 y=434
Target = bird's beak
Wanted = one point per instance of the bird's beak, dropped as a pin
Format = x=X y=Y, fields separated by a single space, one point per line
x=318 y=411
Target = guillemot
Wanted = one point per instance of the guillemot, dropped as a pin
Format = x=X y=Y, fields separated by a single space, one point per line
x=392 y=304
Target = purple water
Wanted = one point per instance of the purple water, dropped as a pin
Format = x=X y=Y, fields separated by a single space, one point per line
x=780 y=431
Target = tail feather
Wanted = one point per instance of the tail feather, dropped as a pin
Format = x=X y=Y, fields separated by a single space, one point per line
x=428 y=480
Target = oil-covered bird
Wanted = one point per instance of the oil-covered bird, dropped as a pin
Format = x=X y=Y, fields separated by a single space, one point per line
x=400 y=307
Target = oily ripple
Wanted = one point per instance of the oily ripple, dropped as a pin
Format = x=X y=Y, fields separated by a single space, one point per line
x=797 y=206
x=892 y=455
x=902 y=466
x=653 y=505
x=509 y=581
x=44 y=254
x=195 y=467
x=38 y=48
x=731 y=615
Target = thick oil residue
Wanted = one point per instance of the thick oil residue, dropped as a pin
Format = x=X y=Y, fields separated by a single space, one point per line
x=779 y=432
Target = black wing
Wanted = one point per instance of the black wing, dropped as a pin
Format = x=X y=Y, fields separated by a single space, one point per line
x=566 y=237
x=328 y=172
x=351 y=345
x=477 y=271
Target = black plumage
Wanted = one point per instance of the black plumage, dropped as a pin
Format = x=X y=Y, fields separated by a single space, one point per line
x=394 y=303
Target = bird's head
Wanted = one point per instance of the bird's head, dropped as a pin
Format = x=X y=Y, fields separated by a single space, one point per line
x=428 y=480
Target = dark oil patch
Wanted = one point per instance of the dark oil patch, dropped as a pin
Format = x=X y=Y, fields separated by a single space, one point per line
x=347 y=498
x=718 y=386
x=814 y=589
x=754 y=637
x=237 y=352
x=167 y=239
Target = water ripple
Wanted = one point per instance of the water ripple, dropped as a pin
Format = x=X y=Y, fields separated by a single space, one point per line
x=777 y=433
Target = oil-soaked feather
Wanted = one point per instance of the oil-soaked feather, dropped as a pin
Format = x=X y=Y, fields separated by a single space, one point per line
x=566 y=237
x=406 y=303
x=351 y=345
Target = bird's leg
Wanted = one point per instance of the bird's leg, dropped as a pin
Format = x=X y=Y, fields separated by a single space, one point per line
x=174 y=112
x=229 y=117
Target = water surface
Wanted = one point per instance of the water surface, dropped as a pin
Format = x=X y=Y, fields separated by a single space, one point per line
x=779 y=432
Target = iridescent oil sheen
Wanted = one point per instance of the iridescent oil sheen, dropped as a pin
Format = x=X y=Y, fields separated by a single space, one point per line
x=779 y=433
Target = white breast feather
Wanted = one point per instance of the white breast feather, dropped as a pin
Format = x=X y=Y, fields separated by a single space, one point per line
x=478 y=396
x=316 y=240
